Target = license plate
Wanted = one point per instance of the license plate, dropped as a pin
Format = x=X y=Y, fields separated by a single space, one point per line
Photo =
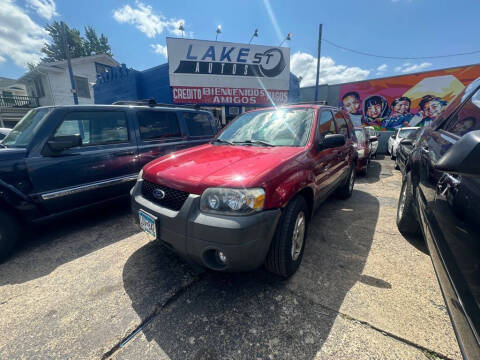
x=147 y=223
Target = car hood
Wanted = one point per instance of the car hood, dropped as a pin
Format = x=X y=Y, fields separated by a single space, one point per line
x=198 y=168
x=12 y=153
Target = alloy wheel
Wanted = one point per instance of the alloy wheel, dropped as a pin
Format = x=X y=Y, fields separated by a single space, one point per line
x=298 y=236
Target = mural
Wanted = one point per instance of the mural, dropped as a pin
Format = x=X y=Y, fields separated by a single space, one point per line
x=408 y=100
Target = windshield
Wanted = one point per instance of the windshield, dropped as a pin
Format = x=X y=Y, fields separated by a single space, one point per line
x=23 y=132
x=282 y=127
x=360 y=135
x=404 y=133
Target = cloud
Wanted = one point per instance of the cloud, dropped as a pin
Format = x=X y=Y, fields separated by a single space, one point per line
x=381 y=69
x=21 y=39
x=305 y=65
x=2 y=59
x=409 y=67
x=160 y=49
x=146 y=20
x=44 y=8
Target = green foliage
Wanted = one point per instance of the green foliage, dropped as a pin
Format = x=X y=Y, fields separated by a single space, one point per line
x=63 y=37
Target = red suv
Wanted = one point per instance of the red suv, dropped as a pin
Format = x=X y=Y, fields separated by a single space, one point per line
x=245 y=199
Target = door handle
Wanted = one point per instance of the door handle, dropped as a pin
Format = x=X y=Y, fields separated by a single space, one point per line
x=124 y=153
x=447 y=182
x=425 y=150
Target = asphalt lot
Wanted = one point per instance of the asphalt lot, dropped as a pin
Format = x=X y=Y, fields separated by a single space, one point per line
x=93 y=286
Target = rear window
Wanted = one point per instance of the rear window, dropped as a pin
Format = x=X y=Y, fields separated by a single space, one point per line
x=158 y=125
x=198 y=124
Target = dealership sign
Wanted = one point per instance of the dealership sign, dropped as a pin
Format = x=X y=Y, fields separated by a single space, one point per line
x=212 y=72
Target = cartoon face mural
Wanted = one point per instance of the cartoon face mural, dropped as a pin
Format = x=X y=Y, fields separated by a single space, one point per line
x=408 y=100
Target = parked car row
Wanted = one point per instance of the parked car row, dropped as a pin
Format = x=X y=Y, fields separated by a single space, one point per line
x=439 y=199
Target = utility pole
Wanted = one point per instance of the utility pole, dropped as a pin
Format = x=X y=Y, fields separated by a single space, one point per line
x=318 y=59
x=69 y=63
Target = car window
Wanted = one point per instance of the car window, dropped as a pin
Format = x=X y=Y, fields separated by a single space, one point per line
x=360 y=135
x=158 y=125
x=95 y=127
x=467 y=119
x=326 y=124
x=341 y=124
x=198 y=124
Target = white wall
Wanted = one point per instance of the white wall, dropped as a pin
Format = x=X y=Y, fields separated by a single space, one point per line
x=60 y=84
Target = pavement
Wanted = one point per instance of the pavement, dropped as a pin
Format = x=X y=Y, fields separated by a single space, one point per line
x=93 y=287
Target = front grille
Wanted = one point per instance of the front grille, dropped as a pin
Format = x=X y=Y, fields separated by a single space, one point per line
x=173 y=200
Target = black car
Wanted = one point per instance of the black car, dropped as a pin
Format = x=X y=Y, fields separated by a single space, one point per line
x=440 y=197
x=404 y=149
x=58 y=159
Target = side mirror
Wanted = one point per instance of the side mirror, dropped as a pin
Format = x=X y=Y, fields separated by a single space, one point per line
x=463 y=157
x=406 y=142
x=64 y=142
x=373 y=139
x=332 y=141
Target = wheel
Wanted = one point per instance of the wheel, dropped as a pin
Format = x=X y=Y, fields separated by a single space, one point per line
x=392 y=156
x=345 y=191
x=288 y=244
x=396 y=164
x=8 y=234
x=406 y=218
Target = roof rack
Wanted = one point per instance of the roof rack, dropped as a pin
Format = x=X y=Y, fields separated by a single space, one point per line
x=318 y=102
x=152 y=103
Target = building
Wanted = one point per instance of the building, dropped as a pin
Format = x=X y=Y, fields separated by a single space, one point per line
x=390 y=103
x=50 y=82
x=225 y=78
x=14 y=102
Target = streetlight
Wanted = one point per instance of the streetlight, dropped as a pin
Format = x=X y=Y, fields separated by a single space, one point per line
x=181 y=28
x=219 y=31
x=255 y=34
x=289 y=37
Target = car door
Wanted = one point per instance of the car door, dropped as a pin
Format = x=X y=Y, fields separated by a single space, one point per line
x=103 y=167
x=343 y=154
x=453 y=218
x=325 y=160
x=159 y=132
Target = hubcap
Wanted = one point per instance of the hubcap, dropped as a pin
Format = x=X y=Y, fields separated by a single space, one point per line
x=298 y=236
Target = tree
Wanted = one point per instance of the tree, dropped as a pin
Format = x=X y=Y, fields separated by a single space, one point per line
x=61 y=34
x=93 y=45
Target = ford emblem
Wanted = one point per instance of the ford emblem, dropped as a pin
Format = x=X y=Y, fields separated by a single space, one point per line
x=158 y=194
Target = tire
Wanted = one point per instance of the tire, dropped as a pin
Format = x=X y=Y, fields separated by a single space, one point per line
x=345 y=191
x=9 y=230
x=283 y=258
x=364 y=171
x=406 y=217
x=396 y=164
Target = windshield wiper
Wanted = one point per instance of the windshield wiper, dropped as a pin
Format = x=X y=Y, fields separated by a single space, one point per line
x=255 y=142
x=222 y=141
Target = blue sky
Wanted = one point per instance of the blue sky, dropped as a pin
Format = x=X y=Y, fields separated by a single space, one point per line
x=137 y=28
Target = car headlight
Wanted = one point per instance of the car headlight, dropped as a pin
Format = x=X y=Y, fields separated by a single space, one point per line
x=361 y=153
x=227 y=201
x=140 y=175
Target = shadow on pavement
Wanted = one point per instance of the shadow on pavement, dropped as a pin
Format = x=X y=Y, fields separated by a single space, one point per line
x=47 y=246
x=255 y=315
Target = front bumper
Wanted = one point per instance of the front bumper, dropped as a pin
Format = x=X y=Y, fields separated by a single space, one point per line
x=196 y=236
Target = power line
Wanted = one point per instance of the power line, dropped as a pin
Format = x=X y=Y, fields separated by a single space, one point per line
x=398 y=57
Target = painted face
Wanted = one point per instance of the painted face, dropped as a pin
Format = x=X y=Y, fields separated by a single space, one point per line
x=433 y=109
x=401 y=107
x=351 y=104
x=374 y=111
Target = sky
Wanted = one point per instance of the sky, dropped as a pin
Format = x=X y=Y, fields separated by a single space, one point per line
x=137 y=31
